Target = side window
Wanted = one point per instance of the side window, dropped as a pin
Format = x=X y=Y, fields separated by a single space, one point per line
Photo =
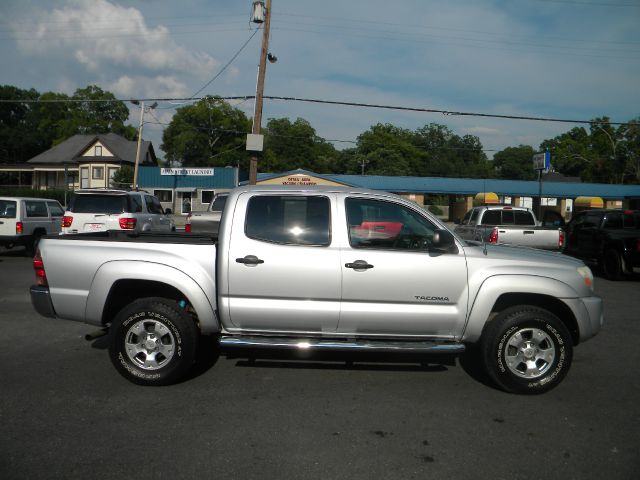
x=386 y=225
x=613 y=221
x=466 y=218
x=153 y=205
x=491 y=217
x=289 y=219
x=135 y=203
x=474 y=216
x=524 y=218
x=55 y=209
x=36 y=209
x=592 y=220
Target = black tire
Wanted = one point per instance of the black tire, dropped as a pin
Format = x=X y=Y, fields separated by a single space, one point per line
x=153 y=342
x=612 y=265
x=526 y=350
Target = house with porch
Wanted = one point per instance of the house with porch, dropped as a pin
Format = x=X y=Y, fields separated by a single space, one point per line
x=83 y=161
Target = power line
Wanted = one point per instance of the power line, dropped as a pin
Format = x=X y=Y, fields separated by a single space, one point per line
x=328 y=102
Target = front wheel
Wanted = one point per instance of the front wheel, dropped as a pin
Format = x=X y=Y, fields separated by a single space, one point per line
x=526 y=350
x=612 y=264
x=153 y=342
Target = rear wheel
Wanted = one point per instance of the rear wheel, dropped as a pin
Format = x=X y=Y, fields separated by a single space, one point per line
x=526 y=350
x=612 y=264
x=153 y=342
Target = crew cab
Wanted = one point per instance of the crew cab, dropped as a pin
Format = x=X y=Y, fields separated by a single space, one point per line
x=609 y=237
x=321 y=268
x=209 y=221
x=24 y=220
x=504 y=224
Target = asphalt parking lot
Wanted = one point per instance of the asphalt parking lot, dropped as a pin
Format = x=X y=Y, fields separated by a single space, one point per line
x=66 y=413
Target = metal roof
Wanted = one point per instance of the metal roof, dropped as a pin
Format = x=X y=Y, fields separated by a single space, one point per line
x=71 y=150
x=471 y=186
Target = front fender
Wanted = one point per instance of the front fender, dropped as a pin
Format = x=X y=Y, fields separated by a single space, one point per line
x=111 y=272
x=493 y=287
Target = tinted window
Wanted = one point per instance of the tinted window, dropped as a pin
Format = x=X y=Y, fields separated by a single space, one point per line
x=613 y=221
x=153 y=205
x=524 y=218
x=507 y=217
x=97 y=203
x=288 y=219
x=491 y=217
x=36 y=209
x=387 y=225
x=135 y=203
x=466 y=218
x=592 y=219
x=219 y=203
x=55 y=209
x=7 y=209
x=474 y=215
x=631 y=220
x=206 y=196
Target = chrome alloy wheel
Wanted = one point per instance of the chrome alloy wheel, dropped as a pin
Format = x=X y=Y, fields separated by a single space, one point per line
x=529 y=353
x=149 y=344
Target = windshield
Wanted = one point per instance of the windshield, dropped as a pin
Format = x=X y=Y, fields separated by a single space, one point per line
x=7 y=209
x=98 y=204
x=218 y=203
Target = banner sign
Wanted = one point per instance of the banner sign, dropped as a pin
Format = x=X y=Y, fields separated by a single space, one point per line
x=193 y=172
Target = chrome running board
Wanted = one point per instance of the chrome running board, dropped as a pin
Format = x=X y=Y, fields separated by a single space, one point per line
x=415 y=346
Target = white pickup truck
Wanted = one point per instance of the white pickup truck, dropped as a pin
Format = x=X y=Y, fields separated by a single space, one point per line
x=504 y=224
x=322 y=268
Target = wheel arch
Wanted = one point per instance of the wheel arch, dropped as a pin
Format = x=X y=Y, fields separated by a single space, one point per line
x=110 y=291
x=504 y=291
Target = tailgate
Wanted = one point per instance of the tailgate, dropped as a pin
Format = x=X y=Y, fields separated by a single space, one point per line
x=530 y=237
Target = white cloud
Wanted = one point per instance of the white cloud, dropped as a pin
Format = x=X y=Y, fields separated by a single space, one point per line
x=100 y=34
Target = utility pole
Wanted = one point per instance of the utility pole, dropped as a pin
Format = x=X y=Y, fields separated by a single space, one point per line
x=135 y=168
x=257 y=115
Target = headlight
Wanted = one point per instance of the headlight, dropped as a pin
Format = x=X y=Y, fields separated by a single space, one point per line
x=587 y=276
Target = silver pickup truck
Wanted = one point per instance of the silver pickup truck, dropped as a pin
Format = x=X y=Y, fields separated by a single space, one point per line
x=509 y=225
x=323 y=268
x=209 y=221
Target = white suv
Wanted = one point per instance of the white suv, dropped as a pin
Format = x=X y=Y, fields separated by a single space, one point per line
x=24 y=220
x=98 y=210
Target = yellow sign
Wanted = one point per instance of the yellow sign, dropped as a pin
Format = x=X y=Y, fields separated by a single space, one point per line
x=299 y=181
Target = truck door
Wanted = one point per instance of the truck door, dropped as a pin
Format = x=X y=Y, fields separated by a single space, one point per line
x=283 y=269
x=391 y=283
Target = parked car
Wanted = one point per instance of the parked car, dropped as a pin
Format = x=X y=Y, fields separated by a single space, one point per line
x=97 y=210
x=505 y=224
x=209 y=221
x=611 y=238
x=23 y=221
x=324 y=268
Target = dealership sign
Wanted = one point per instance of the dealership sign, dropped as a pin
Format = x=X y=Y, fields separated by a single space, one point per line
x=194 y=172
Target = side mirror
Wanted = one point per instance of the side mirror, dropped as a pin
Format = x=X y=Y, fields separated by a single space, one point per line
x=168 y=211
x=444 y=242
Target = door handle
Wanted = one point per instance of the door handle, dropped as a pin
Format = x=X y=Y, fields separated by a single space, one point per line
x=358 y=265
x=249 y=260
x=528 y=232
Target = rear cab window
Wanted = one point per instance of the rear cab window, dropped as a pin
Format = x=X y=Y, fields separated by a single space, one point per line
x=55 y=209
x=289 y=219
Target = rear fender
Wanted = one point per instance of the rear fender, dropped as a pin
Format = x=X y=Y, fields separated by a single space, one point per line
x=111 y=272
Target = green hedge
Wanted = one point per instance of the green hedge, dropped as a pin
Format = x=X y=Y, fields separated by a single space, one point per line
x=30 y=192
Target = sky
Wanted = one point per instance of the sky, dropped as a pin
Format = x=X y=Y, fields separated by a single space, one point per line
x=561 y=59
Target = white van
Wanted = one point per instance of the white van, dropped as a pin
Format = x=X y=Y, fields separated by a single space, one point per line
x=24 y=220
x=98 y=210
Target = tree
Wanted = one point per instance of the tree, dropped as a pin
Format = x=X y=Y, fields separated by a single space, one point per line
x=296 y=145
x=123 y=177
x=515 y=163
x=19 y=137
x=208 y=133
